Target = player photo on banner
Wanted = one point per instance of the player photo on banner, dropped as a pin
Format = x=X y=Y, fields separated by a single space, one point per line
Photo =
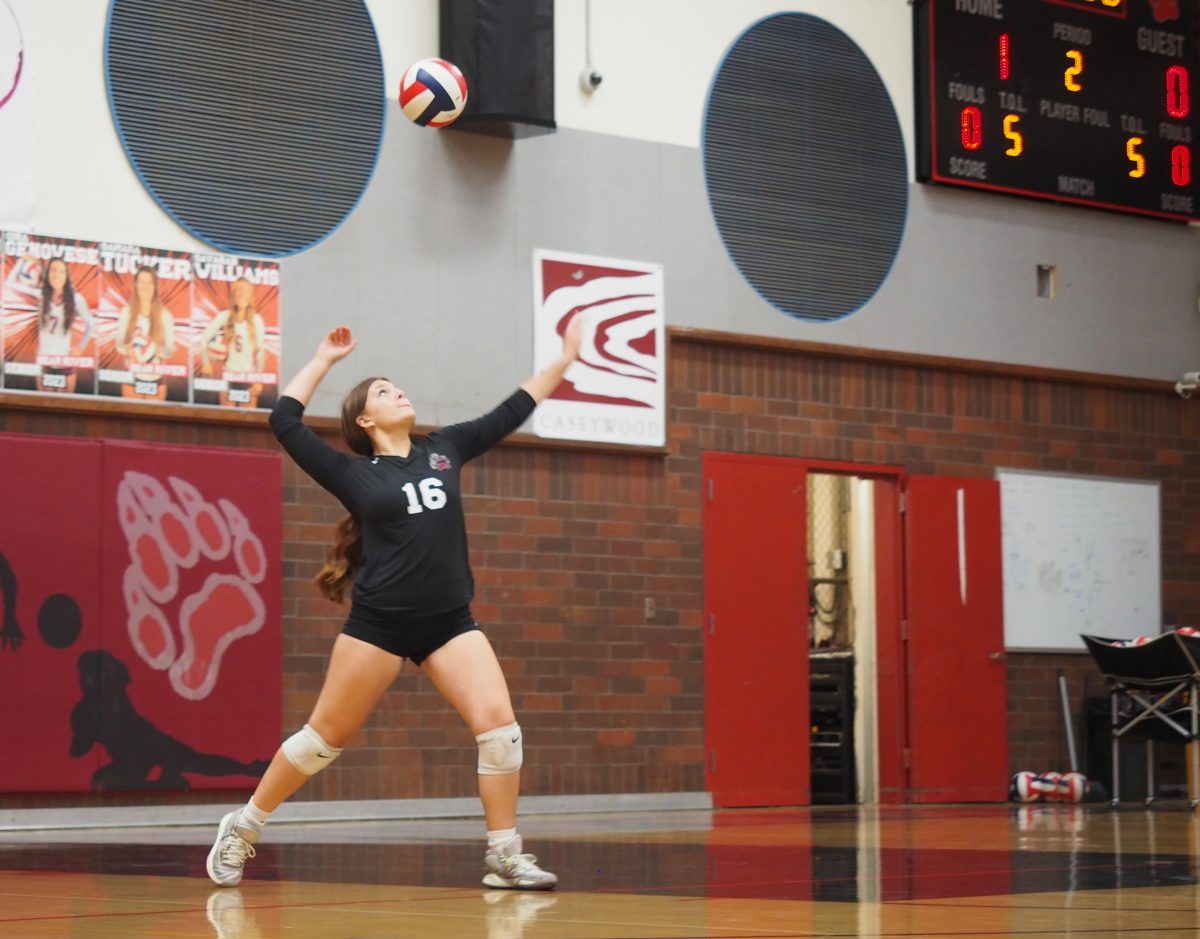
x=615 y=391
x=48 y=314
x=144 y=323
x=236 y=330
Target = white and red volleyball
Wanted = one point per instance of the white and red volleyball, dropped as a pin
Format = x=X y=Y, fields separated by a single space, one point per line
x=433 y=93
x=143 y=349
x=1046 y=785
x=1020 y=788
x=1073 y=787
x=217 y=350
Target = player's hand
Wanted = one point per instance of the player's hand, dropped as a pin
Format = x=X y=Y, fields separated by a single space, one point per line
x=337 y=345
x=11 y=635
x=572 y=337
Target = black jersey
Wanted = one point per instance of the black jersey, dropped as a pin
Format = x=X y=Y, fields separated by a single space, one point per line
x=409 y=508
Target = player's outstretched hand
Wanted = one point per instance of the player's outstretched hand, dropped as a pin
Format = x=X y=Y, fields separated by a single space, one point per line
x=11 y=635
x=337 y=345
x=571 y=338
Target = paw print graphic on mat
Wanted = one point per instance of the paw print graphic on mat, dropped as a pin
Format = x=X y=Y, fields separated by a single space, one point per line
x=168 y=531
x=149 y=630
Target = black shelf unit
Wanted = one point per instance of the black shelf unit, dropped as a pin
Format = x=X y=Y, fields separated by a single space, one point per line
x=831 y=717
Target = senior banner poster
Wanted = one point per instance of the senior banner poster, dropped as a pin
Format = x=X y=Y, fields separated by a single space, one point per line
x=236 y=329
x=18 y=175
x=144 y=323
x=615 y=391
x=47 y=314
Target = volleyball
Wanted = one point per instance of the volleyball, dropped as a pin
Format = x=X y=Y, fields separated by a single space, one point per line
x=1020 y=788
x=1073 y=787
x=1046 y=786
x=143 y=349
x=218 y=351
x=433 y=93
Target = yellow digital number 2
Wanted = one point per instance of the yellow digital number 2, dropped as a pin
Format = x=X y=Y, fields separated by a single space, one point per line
x=1076 y=69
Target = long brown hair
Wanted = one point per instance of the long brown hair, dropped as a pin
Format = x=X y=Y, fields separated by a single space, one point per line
x=136 y=309
x=68 y=297
x=345 y=557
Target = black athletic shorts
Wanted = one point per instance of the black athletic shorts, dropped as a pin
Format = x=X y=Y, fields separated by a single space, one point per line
x=410 y=637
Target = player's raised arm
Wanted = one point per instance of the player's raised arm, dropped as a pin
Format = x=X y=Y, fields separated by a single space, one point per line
x=541 y=385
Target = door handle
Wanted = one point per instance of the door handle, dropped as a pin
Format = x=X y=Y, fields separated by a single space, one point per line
x=998 y=656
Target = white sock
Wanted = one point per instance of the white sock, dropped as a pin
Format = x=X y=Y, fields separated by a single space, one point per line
x=253 y=818
x=499 y=838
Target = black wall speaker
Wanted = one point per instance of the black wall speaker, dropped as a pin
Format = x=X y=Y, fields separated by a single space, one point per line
x=505 y=49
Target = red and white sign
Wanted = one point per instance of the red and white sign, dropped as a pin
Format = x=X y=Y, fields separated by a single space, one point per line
x=48 y=303
x=145 y=309
x=236 y=333
x=615 y=392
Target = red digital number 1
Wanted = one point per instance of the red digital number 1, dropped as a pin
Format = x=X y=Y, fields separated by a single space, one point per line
x=1004 y=57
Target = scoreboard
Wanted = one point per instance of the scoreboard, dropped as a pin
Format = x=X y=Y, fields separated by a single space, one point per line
x=1081 y=101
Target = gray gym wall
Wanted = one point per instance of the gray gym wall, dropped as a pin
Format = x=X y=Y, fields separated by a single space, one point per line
x=433 y=270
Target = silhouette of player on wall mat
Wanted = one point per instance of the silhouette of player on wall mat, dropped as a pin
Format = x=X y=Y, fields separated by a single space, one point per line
x=141 y=756
x=139 y=600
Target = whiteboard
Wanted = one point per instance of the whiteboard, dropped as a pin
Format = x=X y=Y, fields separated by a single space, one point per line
x=1081 y=555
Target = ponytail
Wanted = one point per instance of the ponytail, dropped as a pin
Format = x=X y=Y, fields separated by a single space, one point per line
x=345 y=557
x=343 y=560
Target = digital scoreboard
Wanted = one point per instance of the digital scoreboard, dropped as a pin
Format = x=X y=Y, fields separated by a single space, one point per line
x=1093 y=102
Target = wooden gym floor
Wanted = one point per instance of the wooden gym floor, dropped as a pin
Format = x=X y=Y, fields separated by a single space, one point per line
x=978 y=871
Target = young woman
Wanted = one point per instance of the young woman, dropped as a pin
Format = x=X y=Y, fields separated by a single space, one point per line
x=242 y=341
x=59 y=307
x=403 y=554
x=145 y=334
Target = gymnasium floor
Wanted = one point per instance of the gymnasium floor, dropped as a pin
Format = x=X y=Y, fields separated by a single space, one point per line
x=978 y=871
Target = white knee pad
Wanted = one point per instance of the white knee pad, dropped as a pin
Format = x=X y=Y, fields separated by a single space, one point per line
x=500 y=751
x=308 y=752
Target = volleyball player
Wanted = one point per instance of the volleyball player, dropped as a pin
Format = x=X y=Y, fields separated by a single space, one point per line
x=401 y=554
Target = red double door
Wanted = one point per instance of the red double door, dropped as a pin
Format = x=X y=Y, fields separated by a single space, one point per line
x=940 y=663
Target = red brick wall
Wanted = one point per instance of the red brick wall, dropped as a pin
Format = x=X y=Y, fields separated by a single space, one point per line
x=568 y=544
x=565 y=546
x=1037 y=736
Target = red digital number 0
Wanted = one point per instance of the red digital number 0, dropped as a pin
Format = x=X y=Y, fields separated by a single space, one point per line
x=972 y=128
x=1177 y=91
x=1181 y=164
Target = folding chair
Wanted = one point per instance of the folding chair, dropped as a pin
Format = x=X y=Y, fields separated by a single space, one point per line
x=1152 y=694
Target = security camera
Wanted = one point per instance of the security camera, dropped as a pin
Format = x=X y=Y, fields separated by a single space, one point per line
x=589 y=80
x=1188 y=384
